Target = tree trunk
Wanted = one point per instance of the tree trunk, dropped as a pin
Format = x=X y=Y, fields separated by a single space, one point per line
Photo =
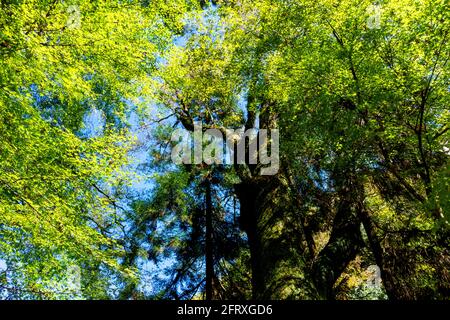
x=208 y=242
x=277 y=252
x=345 y=241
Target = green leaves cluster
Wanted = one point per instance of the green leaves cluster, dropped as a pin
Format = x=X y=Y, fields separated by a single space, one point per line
x=61 y=60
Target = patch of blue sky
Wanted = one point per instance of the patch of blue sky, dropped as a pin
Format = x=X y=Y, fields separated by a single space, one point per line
x=152 y=273
x=94 y=123
x=3 y=265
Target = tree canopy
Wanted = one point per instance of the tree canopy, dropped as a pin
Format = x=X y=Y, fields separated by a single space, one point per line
x=92 y=205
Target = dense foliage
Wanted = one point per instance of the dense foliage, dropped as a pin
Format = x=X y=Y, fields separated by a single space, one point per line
x=91 y=205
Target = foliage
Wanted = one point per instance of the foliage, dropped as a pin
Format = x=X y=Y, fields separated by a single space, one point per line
x=359 y=91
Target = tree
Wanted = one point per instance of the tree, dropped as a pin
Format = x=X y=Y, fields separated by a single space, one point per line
x=358 y=90
x=61 y=62
x=344 y=92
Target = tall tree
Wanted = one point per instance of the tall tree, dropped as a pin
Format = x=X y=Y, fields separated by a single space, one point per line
x=352 y=94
